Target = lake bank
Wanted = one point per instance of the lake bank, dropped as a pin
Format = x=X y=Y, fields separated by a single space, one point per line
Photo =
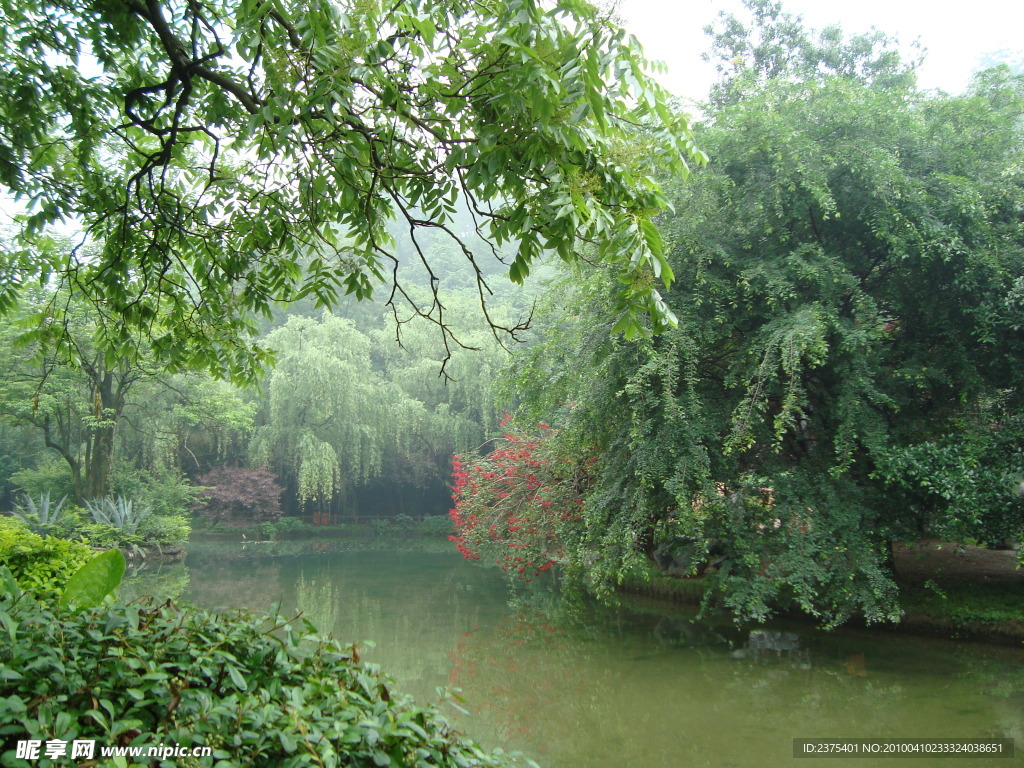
x=946 y=590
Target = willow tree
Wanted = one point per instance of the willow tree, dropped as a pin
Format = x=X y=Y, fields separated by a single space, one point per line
x=347 y=411
x=459 y=410
x=329 y=416
x=219 y=152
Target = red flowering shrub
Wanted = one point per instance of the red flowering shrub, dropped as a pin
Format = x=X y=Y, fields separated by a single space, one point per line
x=240 y=496
x=517 y=503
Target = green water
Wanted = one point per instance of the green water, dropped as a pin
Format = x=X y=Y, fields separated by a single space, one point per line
x=575 y=685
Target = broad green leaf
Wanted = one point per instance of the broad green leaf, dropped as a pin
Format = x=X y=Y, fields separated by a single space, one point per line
x=91 y=583
x=8 y=582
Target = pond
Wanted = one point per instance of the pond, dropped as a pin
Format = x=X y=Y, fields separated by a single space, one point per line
x=571 y=684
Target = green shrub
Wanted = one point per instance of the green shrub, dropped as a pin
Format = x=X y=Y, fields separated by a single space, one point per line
x=164 y=494
x=104 y=536
x=40 y=564
x=291 y=524
x=436 y=525
x=51 y=475
x=256 y=692
x=404 y=523
x=73 y=518
x=269 y=529
x=166 y=530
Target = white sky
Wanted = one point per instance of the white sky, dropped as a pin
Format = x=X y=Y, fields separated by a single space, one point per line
x=954 y=34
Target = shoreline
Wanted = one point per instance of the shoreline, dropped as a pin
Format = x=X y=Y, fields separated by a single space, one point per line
x=989 y=610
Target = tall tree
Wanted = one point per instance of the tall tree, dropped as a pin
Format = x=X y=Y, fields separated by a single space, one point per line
x=343 y=408
x=57 y=380
x=90 y=407
x=226 y=154
x=847 y=357
x=327 y=421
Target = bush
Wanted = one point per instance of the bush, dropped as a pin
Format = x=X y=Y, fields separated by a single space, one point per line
x=166 y=530
x=164 y=494
x=968 y=483
x=517 y=504
x=270 y=529
x=290 y=524
x=40 y=564
x=254 y=690
x=104 y=536
x=240 y=496
x=436 y=525
x=52 y=475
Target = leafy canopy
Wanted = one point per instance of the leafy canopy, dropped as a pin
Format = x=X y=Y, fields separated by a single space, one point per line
x=846 y=369
x=222 y=155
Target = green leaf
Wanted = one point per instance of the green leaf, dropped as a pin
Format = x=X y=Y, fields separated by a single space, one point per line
x=91 y=583
x=8 y=582
x=237 y=678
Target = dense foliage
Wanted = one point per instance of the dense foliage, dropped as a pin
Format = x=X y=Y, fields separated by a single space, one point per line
x=512 y=503
x=42 y=564
x=351 y=419
x=75 y=401
x=240 y=496
x=255 y=689
x=846 y=368
x=224 y=155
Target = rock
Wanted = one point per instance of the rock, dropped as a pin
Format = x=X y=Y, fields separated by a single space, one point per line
x=684 y=556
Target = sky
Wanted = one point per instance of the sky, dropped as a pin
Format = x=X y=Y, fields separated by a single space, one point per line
x=954 y=35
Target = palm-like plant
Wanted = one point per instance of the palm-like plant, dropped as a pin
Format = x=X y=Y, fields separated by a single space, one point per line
x=41 y=517
x=118 y=512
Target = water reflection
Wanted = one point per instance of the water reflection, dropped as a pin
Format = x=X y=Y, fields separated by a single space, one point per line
x=577 y=685
x=168 y=580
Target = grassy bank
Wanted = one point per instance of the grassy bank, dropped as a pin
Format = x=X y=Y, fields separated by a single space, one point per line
x=992 y=611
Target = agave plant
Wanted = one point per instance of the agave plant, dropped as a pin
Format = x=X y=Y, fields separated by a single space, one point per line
x=117 y=512
x=41 y=517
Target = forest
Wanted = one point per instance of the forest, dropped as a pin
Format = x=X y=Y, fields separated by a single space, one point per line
x=476 y=259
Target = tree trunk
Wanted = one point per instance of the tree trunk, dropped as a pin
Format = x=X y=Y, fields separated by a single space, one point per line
x=109 y=403
x=62 y=446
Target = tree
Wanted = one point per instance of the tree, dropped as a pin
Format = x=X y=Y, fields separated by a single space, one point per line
x=240 y=496
x=775 y=45
x=90 y=408
x=847 y=357
x=223 y=155
x=186 y=422
x=328 y=419
x=344 y=408
x=62 y=384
